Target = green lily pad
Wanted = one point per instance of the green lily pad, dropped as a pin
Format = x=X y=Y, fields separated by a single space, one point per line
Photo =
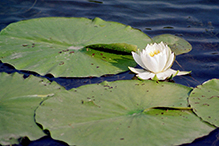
x=177 y=44
x=19 y=99
x=128 y=113
x=204 y=99
x=70 y=47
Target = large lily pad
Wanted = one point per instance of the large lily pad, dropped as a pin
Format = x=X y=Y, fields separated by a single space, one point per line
x=70 y=47
x=177 y=44
x=205 y=101
x=19 y=99
x=121 y=113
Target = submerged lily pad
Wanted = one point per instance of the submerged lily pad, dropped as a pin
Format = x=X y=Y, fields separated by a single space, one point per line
x=19 y=99
x=59 y=46
x=204 y=99
x=177 y=44
x=129 y=112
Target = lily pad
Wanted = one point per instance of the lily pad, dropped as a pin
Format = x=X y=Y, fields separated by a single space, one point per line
x=70 y=47
x=124 y=113
x=177 y=44
x=204 y=99
x=19 y=99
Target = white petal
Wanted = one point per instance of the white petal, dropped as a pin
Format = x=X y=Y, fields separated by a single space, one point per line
x=149 y=62
x=161 y=60
x=162 y=46
x=169 y=73
x=164 y=60
x=166 y=74
x=183 y=73
x=170 y=57
x=156 y=63
x=146 y=75
x=169 y=62
x=137 y=59
x=136 y=70
x=168 y=50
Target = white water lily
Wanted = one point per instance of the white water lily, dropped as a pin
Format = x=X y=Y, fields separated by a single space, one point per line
x=156 y=61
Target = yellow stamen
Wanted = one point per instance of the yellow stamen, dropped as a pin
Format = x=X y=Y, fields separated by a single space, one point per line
x=155 y=52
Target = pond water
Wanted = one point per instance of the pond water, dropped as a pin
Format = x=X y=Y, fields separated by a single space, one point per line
x=196 y=21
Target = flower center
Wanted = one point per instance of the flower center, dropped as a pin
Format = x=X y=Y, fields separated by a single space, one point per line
x=154 y=52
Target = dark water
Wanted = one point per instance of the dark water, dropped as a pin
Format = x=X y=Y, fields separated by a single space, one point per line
x=197 y=21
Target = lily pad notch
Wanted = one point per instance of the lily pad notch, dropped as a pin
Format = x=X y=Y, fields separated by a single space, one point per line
x=204 y=99
x=129 y=112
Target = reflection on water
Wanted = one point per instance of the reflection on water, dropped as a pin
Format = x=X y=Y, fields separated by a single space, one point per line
x=196 y=21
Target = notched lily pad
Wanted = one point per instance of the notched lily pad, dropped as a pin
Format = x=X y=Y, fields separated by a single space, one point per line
x=55 y=45
x=204 y=99
x=177 y=44
x=115 y=114
x=19 y=99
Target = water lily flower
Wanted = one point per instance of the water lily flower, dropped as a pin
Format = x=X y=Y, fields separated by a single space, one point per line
x=156 y=61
